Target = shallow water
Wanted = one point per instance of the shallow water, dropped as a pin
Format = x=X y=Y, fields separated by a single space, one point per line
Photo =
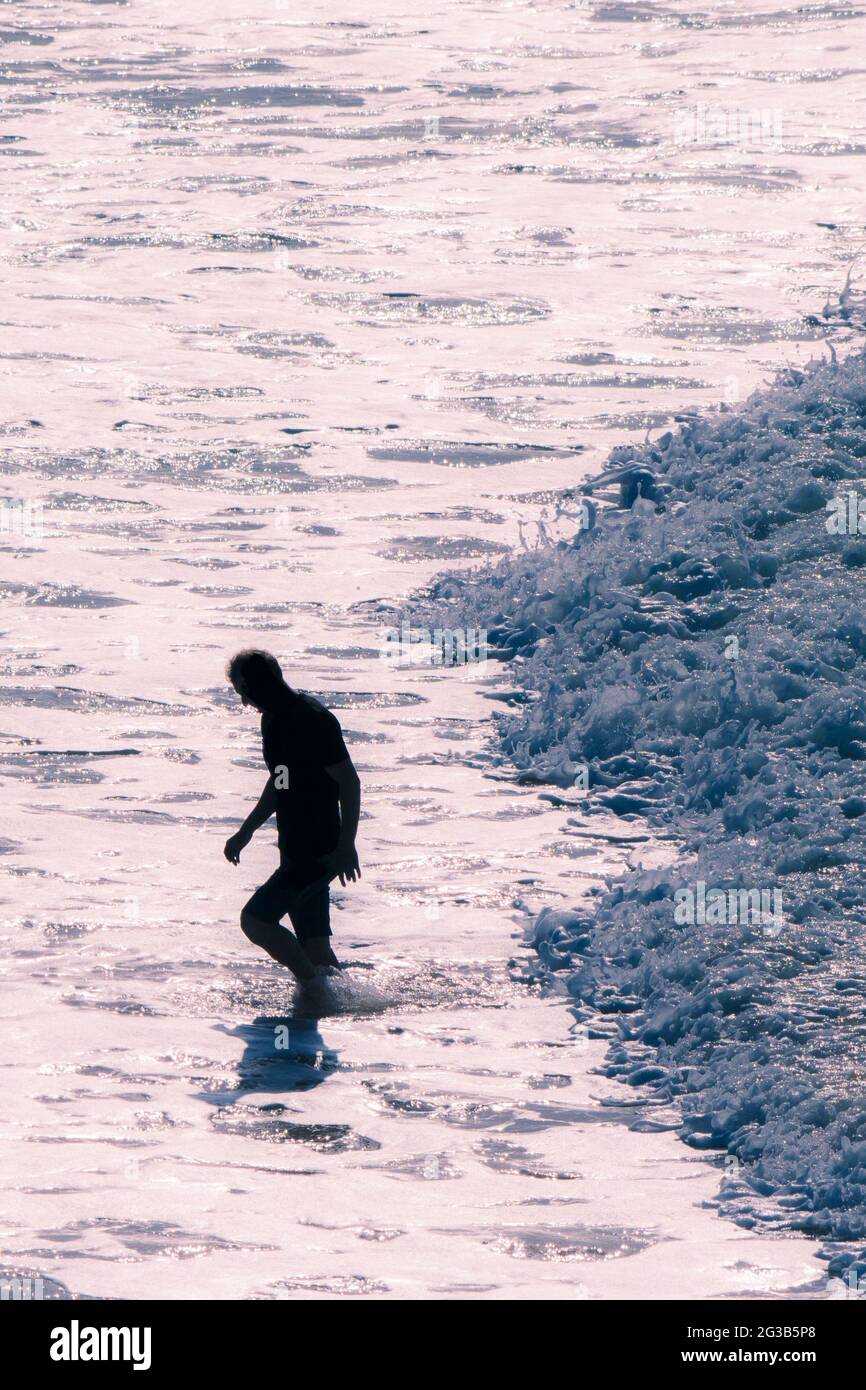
x=299 y=310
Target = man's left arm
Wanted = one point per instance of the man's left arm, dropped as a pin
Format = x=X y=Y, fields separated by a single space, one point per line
x=344 y=859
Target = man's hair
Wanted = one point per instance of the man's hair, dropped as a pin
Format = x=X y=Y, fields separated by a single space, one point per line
x=259 y=671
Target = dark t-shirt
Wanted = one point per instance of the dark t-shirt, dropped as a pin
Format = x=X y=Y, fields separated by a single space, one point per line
x=299 y=740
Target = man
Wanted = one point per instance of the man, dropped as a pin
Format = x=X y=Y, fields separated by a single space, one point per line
x=314 y=789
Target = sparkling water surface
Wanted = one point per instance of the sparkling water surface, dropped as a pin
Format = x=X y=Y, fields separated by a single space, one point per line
x=302 y=306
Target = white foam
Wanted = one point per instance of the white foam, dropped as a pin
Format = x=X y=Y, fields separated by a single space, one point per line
x=704 y=659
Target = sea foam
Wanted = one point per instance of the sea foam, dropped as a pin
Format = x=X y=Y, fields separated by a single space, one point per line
x=696 y=656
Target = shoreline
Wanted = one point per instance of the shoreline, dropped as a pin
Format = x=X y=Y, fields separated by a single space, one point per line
x=676 y=711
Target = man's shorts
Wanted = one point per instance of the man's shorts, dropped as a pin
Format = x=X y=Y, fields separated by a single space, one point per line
x=302 y=892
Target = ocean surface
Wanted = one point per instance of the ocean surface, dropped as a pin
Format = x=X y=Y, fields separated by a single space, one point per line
x=299 y=310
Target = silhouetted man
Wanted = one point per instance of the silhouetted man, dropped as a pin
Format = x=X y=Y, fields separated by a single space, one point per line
x=314 y=789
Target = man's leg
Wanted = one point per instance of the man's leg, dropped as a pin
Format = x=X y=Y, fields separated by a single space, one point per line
x=279 y=943
x=310 y=913
x=318 y=950
x=260 y=921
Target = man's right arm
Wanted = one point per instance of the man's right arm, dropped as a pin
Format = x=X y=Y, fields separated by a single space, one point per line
x=262 y=811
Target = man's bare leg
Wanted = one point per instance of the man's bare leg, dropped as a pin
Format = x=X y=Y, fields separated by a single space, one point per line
x=281 y=944
x=318 y=950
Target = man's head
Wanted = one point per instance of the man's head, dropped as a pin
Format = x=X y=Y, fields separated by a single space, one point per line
x=257 y=677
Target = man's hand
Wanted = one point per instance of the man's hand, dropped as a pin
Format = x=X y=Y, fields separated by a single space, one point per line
x=235 y=844
x=344 y=863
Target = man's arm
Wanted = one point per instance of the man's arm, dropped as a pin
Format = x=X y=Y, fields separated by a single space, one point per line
x=262 y=811
x=344 y=859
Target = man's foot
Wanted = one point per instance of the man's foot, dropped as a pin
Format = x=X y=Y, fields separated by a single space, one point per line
x=316 y=992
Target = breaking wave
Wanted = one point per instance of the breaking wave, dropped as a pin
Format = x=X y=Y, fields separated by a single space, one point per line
x=694 y=657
